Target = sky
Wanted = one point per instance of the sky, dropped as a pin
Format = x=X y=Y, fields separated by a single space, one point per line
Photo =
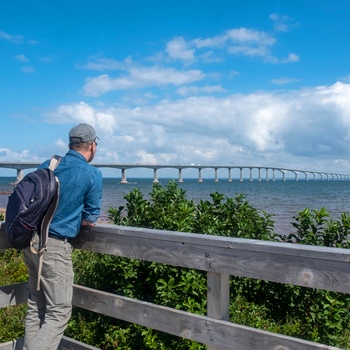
x=236 y=82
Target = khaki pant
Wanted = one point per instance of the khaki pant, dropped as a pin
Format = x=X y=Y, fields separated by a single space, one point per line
x=49 y=309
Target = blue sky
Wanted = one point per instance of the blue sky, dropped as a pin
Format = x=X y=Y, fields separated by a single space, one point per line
x=262 y=83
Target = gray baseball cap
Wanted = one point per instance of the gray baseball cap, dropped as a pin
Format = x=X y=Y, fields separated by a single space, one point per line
x=82 y=133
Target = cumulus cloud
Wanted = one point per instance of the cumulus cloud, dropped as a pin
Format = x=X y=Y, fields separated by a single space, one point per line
x=178 y=48
x=282 y=23
x=136 y=75
x=244 y=41
x=83 y=113
x=239 y=41
x=141 y=77
x=254 y=128
x=8 y=155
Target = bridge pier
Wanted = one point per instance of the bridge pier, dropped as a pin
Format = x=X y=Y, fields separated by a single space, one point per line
x=240 y=174
x=284 y=176
x=200 y=175
x=20 y=175
x=180 y=176
x=123 y=180
x=229 y=175
x=216 y=175
x=155 y=175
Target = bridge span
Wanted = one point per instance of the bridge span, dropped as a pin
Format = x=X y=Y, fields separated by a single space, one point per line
x=268 y=171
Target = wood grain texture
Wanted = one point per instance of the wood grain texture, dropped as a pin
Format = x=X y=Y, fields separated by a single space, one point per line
x=309 y=266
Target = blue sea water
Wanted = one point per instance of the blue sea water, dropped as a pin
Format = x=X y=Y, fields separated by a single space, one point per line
x=281 y=198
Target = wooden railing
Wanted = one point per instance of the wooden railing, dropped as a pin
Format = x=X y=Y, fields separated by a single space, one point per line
x=310 y=266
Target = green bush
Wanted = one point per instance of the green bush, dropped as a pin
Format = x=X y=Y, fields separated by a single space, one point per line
x=309 y=314
x=13 y=270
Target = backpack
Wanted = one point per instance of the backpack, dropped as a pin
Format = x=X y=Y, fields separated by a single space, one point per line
x=31 y=207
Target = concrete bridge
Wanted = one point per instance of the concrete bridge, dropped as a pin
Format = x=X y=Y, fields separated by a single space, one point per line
x=263 y=172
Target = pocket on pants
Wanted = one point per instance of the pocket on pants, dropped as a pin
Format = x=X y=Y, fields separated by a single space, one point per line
x=57 y=275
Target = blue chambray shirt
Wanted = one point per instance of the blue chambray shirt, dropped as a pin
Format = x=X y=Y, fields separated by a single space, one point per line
x=80 y=194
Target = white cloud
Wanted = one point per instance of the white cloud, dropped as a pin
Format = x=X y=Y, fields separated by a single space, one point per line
x=196 y=90
x=178 y=48
x=244 y=35
x=104 y=64
x=81 y=112
x=8 y=155
x=241 y=37
x=285 y=129
x=141 y=77
x=244 y=41
x=278 y=128
x=15 y=39
x=284 y=80
x=292 y=57
x=282 y=23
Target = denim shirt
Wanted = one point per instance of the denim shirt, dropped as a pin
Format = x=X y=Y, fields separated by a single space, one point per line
x=80 y=194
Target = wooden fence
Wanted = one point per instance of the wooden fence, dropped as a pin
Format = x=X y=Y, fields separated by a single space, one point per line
x=309 y=266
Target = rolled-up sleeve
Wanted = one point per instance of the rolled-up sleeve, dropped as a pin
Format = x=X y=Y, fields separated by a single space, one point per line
x=92 y=205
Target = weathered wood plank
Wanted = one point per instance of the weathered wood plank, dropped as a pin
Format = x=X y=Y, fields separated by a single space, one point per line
x=218 y=298
x=72 y=344
x=4 y=243
x=220 y=334
x=315 y=267
x=218 y=295
x=65 y=344
x=309 y=266
x=14 y=294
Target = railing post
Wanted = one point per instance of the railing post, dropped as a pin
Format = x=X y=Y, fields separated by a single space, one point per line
x=218 y=299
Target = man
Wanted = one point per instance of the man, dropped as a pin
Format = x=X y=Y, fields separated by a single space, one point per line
x=49 y=308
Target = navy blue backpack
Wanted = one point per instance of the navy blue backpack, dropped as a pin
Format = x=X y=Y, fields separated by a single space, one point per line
x=31 y=206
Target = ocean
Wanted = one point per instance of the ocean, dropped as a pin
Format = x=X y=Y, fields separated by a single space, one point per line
x=283 y=199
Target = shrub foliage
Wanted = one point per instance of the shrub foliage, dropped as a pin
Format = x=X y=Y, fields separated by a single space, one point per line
x=310 y=314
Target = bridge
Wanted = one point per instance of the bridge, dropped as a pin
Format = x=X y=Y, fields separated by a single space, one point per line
x=261 y=170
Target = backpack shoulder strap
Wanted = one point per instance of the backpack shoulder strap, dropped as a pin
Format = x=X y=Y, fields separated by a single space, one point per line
x=55 y=160
x=44 y=227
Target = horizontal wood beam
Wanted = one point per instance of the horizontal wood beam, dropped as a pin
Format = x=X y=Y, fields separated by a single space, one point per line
x=14 y=294
x=206 y=330
x=302 y=265
x=65 y=344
